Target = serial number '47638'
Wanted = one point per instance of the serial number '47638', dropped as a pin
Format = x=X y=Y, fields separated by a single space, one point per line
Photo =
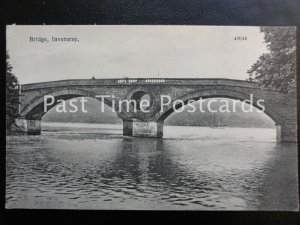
x=240 y=38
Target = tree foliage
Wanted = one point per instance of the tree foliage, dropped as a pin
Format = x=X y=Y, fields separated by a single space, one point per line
x=12 y=95
x=277 y=68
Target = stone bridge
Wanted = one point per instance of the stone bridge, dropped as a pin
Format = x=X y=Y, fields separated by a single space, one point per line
x=281 y=108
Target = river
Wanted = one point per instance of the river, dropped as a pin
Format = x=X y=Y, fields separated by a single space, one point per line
x=92 y=166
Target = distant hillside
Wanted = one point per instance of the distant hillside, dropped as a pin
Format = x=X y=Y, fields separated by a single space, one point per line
x=94 y=115
x=233 y=119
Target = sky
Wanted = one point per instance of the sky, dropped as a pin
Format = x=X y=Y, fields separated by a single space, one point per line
x=114 y=51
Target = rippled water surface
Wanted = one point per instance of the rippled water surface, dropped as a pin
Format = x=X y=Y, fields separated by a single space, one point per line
x=81 y=166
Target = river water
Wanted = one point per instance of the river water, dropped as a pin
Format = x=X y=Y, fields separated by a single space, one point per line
x=92 y=166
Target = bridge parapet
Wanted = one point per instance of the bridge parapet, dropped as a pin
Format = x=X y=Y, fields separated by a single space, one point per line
x=139 y=81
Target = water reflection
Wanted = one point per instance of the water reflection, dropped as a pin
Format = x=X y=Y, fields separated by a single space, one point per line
x=93 y=171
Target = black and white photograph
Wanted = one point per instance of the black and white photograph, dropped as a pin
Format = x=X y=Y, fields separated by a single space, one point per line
x=151 y=117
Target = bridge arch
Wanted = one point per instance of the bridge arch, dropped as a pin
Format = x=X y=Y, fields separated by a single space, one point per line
x=35 y=108
x=270 y=110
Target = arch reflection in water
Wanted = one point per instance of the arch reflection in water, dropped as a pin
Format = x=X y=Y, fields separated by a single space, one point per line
x=94 y=171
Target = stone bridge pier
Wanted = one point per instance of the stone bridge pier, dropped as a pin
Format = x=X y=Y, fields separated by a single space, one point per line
x=281 y=108
x=29 y=126
x=137 y=128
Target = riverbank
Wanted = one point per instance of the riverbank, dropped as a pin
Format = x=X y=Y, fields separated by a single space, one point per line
x=279 y=190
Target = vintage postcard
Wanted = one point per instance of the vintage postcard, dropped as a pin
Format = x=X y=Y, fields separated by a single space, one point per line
x=151 y=117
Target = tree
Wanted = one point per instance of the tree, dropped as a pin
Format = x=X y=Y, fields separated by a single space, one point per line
x=277 y=68
x=12 y=96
